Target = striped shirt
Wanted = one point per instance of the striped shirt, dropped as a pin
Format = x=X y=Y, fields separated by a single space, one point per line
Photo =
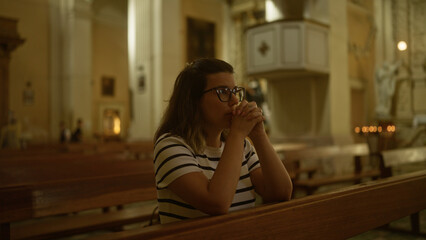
x=174 y=158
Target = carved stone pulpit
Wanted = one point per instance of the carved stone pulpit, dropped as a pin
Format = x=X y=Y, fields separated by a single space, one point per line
x=9 y=41
x=291 y=51
x=287 y=48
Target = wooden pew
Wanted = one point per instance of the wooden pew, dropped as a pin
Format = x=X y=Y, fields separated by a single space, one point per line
x=293 y=167
x=136 y=149
x=80 y=147
x=141 y=149
x=31 y=151
x=22 y=167
x=354 y=152
x=111 y=147
x=57 y=186
x=30 y=172
x=399 y=157
x=334 y=215
x=133 y=150
x=23 y=202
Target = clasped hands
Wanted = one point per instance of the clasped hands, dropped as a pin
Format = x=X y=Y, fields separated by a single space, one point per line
x=248 y=117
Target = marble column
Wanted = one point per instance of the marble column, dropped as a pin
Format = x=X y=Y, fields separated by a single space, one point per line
x=71 y=65
x=339 y=87
x=140 y=41
x=154 y=61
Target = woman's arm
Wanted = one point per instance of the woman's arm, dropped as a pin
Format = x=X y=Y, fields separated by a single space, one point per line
x=271 y=180
x=213 y=197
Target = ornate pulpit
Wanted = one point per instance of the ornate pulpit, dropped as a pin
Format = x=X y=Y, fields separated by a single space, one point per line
x=9 y=41
x=291 y=51
x=287 y=48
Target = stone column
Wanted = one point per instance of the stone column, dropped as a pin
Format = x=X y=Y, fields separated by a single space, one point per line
x=339 y=86
x=71 y=65
x=140 y=41
x=154 y=61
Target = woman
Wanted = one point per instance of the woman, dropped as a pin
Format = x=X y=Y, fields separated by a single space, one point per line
x=204 y=165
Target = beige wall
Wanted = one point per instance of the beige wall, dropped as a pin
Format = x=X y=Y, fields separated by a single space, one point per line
x=30 y=62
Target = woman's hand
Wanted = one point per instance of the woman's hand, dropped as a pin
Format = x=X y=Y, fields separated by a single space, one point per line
x=257 y=130
x=246 y=117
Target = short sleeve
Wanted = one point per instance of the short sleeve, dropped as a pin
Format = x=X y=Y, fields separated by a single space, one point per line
x=172 y=159
x=251 y=156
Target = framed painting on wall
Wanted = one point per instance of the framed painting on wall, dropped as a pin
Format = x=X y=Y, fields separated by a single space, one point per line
x=108 y=85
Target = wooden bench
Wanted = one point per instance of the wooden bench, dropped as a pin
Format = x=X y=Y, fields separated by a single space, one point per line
x=352 y=152
x=400 y=157
x=334 y=215
x=79 y=147
x=135 y=150
x=35 y=172
x=31 y=151
x=141 y=149
x=25 y=169
x=23 y=202
x=77 y=224
x=293 y=167
x=48 y=186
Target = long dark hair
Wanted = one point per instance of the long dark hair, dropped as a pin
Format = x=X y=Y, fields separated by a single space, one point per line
x=183 y=115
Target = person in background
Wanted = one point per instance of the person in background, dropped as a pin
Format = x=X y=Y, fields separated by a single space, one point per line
x=204 y=163
x=77 y=135
x=65 y=133
x=10 y=135
x=254 y=93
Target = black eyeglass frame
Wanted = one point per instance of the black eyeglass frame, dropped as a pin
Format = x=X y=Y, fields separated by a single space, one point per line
x=231 y=91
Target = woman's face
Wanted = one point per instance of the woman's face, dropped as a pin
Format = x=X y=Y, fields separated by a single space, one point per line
x=217 y=114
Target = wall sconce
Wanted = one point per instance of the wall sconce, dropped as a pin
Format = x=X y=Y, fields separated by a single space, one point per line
x=402 y=46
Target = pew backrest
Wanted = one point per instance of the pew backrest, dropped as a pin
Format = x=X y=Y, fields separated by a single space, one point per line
x=354 y=152
x=403 y=156
x=46 y=186
x=141 y=149
x=357 y=149
x=47 y=199
x=322 y=216
x=35 y=171
x=284 y=147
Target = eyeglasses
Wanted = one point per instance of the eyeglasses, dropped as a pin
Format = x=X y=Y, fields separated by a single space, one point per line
x=224 y=93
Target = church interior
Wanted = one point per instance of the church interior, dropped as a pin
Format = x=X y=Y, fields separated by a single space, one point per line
x=90 y=79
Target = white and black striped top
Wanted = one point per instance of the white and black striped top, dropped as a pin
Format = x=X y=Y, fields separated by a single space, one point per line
x=174 y=158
